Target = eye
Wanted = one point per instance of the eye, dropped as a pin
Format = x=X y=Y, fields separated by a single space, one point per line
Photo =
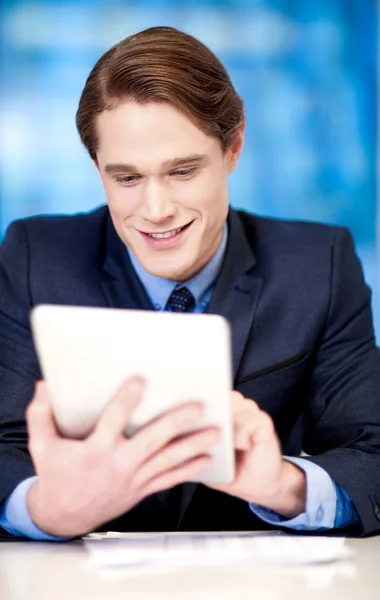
x=127 y=179
x=184 y=172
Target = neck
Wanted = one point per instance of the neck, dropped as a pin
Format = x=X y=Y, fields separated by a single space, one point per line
x=202 y=262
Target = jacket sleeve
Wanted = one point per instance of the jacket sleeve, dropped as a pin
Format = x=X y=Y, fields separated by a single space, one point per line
x=342 y=417
x=19 y=368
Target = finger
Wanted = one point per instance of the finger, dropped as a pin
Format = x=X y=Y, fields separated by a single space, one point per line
x=246 y=424
x=177 y=453
x=181 y=474
x=165 y=428
x=231 y=488
x=242 y=437
x=241 y=404
x=115 y=416
x=40 y=421
x=251 y=427
x=237 y=400
x=262 y=429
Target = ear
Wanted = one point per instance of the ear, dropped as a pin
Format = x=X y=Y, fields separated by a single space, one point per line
x=234 y=150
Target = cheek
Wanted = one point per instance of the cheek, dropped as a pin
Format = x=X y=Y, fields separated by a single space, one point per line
x=208 y=194
x=215 y=205
x=122 y=202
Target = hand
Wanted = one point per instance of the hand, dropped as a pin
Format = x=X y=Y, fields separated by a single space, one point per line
x=262 y=475
x=83 y=484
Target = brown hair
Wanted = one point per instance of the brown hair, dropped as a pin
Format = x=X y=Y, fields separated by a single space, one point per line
x=162 y=64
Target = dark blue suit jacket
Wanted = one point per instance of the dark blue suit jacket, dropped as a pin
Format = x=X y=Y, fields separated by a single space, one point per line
x=303 y=347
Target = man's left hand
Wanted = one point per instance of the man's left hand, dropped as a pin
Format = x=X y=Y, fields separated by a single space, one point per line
x=262 y=475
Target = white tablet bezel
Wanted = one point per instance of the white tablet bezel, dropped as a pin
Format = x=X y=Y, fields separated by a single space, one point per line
x=85 y=353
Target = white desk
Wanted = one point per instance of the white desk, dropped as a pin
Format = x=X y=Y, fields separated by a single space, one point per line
x=44 y=571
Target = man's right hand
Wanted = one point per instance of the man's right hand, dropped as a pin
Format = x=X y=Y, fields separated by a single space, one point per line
x=83 y=484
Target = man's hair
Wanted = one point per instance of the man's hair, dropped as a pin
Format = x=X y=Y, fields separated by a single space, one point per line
x=162 y=64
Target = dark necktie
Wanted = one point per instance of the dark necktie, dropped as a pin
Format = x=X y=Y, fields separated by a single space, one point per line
x=180 y=300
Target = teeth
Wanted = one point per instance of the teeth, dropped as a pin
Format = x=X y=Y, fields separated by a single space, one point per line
x=168 y=234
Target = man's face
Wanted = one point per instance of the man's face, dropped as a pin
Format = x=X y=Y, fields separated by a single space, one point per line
x=166 y=185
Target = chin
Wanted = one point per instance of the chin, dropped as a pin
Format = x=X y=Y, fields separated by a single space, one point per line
x=172 y=273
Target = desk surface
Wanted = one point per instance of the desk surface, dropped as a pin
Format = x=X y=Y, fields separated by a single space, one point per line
x=44 y=571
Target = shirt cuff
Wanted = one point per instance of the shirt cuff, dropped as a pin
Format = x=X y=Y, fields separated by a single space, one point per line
x=321 y=501
x=15 y=518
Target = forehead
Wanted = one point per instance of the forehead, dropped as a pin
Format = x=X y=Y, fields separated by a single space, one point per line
x=144 y=133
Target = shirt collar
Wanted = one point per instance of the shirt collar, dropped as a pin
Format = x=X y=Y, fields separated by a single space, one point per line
x=159 y=289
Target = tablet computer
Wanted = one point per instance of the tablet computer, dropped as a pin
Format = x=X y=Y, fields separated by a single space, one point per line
x=86 y=353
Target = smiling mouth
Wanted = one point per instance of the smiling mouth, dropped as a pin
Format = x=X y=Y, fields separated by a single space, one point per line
x=167 y=234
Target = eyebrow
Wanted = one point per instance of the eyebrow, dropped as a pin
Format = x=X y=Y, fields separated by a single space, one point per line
x=167 y=164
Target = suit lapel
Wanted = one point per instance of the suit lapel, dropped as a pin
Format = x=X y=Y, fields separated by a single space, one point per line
x=237 y=290
x=235 y=297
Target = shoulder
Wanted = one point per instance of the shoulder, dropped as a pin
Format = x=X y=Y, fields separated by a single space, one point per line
x=64 y=226
x=267 y=230
x=53 y=233
x=299 y=241
x=302 y=254
x=46 y=245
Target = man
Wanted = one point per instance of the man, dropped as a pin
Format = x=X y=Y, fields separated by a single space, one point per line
x=164 y=128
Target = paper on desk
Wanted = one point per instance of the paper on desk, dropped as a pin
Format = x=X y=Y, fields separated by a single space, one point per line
x=198 y=550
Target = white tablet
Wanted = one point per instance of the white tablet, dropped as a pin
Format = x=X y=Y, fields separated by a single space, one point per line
x=86 y=353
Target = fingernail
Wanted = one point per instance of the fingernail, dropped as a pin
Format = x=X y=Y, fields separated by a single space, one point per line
x=135 y=385
x=214 y=437
x=197 y=412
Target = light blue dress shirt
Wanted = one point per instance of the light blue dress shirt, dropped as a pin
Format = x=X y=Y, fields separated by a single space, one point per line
x=327 y=505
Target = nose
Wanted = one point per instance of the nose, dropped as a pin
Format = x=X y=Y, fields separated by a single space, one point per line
x=157 y=206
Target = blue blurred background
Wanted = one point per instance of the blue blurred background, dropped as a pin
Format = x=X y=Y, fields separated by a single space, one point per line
x=305 y=68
